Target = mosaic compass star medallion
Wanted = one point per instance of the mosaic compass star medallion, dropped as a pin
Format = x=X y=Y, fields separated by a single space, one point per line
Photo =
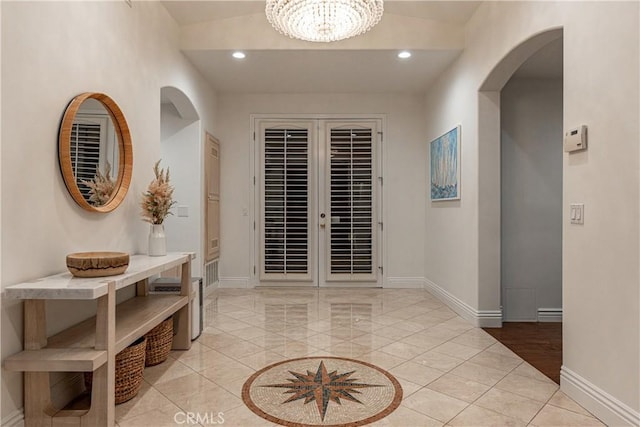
x=322 y=391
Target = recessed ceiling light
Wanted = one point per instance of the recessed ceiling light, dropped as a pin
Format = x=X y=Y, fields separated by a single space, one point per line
x=404 y=54
x=239 y=55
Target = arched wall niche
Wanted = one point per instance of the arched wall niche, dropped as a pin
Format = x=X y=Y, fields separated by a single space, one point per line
x=181 y=102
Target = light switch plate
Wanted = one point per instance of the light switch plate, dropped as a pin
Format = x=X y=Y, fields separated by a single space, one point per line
x=576 y=213
x=183 y=211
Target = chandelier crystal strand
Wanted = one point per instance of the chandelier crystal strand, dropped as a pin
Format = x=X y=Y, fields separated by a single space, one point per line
x=323 y=20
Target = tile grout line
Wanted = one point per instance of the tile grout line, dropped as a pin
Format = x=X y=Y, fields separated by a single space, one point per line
x=350 y=341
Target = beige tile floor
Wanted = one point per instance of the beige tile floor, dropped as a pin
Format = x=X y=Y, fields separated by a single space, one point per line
x=451 y=373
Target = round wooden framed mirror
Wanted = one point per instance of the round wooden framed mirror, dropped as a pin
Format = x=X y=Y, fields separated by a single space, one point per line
x=95 y=152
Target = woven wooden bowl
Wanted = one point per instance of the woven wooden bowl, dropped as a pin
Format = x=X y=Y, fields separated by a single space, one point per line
x=97 y=264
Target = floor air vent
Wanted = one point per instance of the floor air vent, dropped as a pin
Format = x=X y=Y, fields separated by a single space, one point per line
x=211 y=275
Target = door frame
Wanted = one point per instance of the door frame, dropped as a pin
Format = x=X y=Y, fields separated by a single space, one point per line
x=254 y=208
x=324 y=170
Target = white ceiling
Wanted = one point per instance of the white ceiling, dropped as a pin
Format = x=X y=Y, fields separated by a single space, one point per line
x=371 y=66
x=334 y=71
x=190 y=12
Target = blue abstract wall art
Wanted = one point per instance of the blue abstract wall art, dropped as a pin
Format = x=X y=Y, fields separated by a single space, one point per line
x=445 y=166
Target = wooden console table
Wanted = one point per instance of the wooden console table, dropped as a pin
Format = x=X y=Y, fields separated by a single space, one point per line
x=92 y=345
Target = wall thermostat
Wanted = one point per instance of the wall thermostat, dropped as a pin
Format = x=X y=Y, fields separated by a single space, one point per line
x=575 y=139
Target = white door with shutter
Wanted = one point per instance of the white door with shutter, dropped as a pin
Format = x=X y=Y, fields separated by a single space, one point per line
x=349 y=230
x=318 y=222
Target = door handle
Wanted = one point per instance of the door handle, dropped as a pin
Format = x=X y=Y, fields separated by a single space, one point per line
x=322 y=221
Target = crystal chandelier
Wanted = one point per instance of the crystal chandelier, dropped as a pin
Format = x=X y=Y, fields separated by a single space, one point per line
x=323 y=20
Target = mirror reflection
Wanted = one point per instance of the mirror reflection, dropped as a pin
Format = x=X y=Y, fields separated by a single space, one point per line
x=94 y=152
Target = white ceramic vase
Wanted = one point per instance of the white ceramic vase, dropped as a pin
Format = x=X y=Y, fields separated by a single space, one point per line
x=157 y=240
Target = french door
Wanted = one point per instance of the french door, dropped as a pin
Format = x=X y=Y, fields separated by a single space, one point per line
x=318 y=222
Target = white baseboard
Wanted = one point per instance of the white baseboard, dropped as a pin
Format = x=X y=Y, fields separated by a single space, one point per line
x=234 y=282
x=478 y=318
x=597 y=401
x=489 y=318
x=549 y=315
x=15 y=419
x=404 y=283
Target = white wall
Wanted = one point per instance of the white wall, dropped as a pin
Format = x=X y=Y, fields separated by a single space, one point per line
x=531 y=196
x=181 y=152
x=600 y=258
x=404 y=174
x=1 y=303
x=47 y=59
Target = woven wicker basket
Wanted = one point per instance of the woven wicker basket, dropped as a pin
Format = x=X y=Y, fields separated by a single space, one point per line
x=159 y=341
x=129 y=368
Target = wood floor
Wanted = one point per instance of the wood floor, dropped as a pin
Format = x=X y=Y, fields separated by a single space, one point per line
x=540 y=344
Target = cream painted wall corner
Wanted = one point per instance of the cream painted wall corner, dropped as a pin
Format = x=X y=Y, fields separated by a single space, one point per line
x=478 y=318
x=131 y=65
x=0 y=188
x=404 y=171
x=600 y=258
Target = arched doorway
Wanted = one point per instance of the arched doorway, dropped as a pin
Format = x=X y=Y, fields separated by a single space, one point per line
x=489 y=176
x=520 y=182
x=181 y=152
